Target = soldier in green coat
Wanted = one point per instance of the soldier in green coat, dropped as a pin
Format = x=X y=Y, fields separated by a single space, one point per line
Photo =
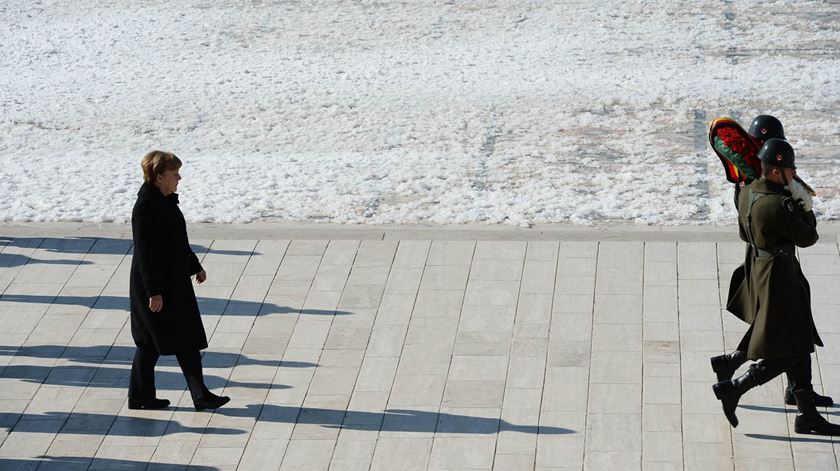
x=739 y=303
x=774 y=217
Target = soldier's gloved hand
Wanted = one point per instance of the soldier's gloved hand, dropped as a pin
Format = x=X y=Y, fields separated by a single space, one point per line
x=800 y=195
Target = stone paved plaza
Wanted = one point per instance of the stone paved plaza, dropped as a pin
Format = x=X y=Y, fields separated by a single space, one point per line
x=585 y=350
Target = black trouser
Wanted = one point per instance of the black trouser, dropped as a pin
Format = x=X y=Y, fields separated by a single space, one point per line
x=800 y=378
x=142 y=382
x=797 y=368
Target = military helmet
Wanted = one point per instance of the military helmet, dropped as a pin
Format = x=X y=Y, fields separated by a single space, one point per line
x=778 y=153
x=765 y=127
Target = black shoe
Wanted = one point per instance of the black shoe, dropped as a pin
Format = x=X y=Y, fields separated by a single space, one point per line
x=210 y=401
x=809 y=421
x=730 y=392
x=151 y=403
x=725 y=365
x=819 y=401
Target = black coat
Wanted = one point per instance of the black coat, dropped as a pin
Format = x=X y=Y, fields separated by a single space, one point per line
x=163 y=263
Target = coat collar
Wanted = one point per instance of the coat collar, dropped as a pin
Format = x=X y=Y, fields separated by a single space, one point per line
x=149 y=191
x=766 y=186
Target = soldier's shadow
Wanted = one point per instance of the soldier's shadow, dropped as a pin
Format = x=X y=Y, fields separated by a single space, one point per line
x=390 y=420
x=81 y=462
x=782 y=438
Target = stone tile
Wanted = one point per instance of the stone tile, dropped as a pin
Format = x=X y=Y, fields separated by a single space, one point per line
x=706 y=428
x=619 y=281
x=613 y=433
x=617 y=338
x=514 y=462
x=542 y=250
x=615 y=399
x=578 y=249
x=425 y=358
x=462 y=452
x=413 y=390
x=404 y=281
x=612 y=460
x=333 y=380
x=565 y=389
x=504 y=250
x=438 y=303
x=478 y=368
x=661 y=390
x=377 y=374
x=563 y=352
x=697 y=260
x=525 y=372
x=618 y=309
x=491 y=293
x=402 y=453
x=438 y=331
x=482 y=343
x=579 y=303
x=395 y=309
x=538 y=276
x=574 y=284
x=662 y=446
x=662 y=418
x=660 y=273
x=386 y=340
x=451 y=253
x=496 y=270
x=708 y=456
x=699 y=292
x=534 y=308
x=412 y=253
x=616 y=367
x=487 y=318
x=361 y=296
x=308 y=454
x=473 y=393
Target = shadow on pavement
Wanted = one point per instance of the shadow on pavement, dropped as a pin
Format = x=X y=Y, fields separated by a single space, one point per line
x=782 y=438
x=67 y=463
x=104 y=377
x=123 y=355
x=97 y=246
x=102 y=424
x=207 y=306
x=392 y=420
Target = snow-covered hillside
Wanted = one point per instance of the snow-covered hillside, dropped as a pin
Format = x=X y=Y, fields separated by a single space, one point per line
x=496 y=111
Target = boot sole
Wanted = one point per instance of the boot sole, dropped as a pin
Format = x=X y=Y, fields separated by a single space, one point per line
x=811 y=431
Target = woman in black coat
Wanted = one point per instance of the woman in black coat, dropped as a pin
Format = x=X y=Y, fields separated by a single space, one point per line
x=164 y=312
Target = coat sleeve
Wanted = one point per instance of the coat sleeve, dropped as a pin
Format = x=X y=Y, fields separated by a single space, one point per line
x=801 y=225
x=195 y=265
x=148 y=246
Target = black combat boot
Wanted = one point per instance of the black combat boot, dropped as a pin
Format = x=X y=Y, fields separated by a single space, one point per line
x=148 y=403
x=810 y=421
x=725 y=365
x=819 y=401
x=730 y=392
x=210 y=401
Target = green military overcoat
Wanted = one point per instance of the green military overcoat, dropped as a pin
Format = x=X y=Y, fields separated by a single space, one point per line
x=769 y=291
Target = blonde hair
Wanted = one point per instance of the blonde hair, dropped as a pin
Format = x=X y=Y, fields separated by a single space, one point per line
x=156 y=162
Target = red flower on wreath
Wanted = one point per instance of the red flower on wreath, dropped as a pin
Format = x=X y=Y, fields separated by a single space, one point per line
x=740 y=144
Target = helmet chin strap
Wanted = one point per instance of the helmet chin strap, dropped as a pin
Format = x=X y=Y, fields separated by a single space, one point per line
x=784 y=177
